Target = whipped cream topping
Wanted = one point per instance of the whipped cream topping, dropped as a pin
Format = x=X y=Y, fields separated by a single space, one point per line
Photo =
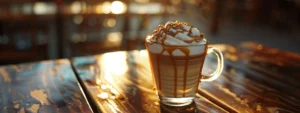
x=176 y=33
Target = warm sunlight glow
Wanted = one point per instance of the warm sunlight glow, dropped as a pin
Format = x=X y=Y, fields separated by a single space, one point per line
x=118 y=7
x=114 y=37
x=143 y=53
x=144 y=8
x=40 y=8
x=112 y=97
x=111 y=22
x=103 y=86
x=76 y=7
x=98 y=81
x=114 y=91
x=99 y=9
x=103 y=95
x=114 y=64
x=106 y=7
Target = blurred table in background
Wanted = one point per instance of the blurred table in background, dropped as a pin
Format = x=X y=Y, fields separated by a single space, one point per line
x=73 y=28
x=32 y=30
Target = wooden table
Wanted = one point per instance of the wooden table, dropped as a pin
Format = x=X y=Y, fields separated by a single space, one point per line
x=44 y=87
x=255 y=79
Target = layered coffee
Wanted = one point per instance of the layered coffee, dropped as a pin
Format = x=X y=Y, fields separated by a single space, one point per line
x=176 y=51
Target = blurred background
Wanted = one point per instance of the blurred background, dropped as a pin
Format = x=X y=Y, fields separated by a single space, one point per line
x=34 y=30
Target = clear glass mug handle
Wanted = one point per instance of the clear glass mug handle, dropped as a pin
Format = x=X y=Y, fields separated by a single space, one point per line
x=219 y=69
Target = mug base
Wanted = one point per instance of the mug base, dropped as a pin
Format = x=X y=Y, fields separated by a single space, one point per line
x=184 y=101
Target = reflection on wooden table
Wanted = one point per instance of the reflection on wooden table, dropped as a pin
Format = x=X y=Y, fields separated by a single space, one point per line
x=44 y=87
x=255 y=79
x=121 y=82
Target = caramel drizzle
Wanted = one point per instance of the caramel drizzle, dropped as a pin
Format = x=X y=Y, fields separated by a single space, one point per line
x=165 y=30
x=170 y=49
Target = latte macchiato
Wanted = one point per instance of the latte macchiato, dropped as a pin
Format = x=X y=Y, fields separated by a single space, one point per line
x=177 y=52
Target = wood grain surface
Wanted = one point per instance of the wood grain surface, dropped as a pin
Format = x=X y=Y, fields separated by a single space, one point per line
x=121 y=82
x=256 y=79
x=43 y=87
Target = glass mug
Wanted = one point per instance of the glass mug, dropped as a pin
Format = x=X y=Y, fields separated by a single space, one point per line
x=176 y=71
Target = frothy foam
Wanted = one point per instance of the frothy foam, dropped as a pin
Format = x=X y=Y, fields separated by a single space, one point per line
x=193 y=50
x=176 y=33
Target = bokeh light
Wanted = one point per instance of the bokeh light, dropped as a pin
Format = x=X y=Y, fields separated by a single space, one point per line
x=114 y=37
x=106 y=7
x=118 y=7
x=103 y=95
x=99 y=9
x=75 y=38
x=110 y=22
x=76 y=7
x=144 y=8
x=40 y=8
